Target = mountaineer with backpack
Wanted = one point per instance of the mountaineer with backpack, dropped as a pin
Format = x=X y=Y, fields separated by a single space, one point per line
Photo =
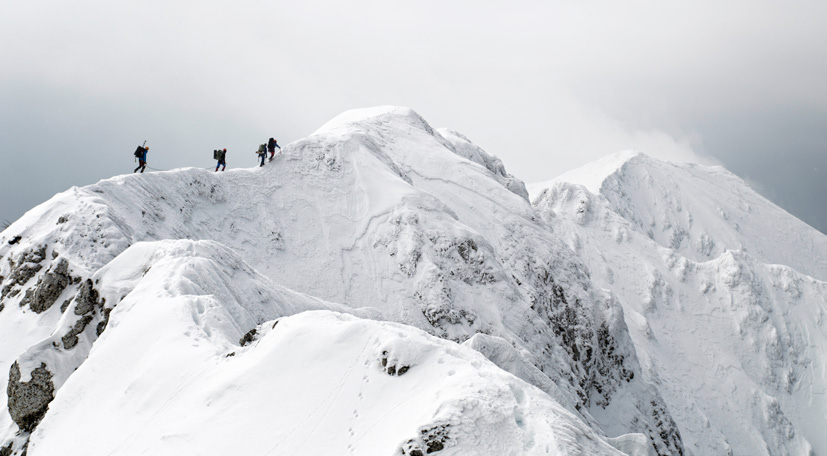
x=140 y=154
x=271 y=146
x=221 y=156
x=262 y=153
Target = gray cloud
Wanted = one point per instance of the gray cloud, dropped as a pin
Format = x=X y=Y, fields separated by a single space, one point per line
x=547 y=86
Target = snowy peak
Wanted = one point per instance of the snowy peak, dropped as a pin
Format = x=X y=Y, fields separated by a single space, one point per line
x=355 y=119
x=367 y=125
x=592 y=175
x=699 y=211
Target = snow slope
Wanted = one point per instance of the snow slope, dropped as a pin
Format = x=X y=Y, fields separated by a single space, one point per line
x=377 y=212
x=723 y=292
x=169 y=375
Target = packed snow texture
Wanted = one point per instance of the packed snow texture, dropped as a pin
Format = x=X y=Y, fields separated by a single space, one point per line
x=383 y=287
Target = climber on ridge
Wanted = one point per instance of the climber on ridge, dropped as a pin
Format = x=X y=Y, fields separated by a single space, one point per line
x=271 y=146
x=262 y=153
x=140 y=154
x=221 y=156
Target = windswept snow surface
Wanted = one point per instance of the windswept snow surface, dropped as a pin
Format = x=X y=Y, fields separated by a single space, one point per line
x=376 y=212
x=723 y=293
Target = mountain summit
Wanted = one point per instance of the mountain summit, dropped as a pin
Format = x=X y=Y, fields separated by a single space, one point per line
x=384 y=287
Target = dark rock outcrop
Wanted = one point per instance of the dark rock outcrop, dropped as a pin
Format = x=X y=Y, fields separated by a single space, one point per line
x=87 y=298
x=392 y=368
x=87 y=301
x=102 y=325
x=29 y=401
x=48 y=288
x=23 y=268
x=70 y=339
x=430 y=440
x=249 y=337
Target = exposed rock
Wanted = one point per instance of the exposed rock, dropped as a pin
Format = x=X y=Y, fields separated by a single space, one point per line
x=48 y=288
x=102 y=325
x=587 y=342
x=15 y=240
x=249 y=337
x=463 y=260
x=431 y=440
x=70 y=339
x=86 y=302
x=391 y=368
x=87 y=298
x=671 y=442
x=435 y=438
x=29 y=401
x=6 y=450
x=26 y=266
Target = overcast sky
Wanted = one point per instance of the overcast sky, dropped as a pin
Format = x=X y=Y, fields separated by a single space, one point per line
x=545 y=85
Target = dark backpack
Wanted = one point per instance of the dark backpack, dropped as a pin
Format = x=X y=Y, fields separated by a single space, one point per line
x=139 y=152
x=216 y=155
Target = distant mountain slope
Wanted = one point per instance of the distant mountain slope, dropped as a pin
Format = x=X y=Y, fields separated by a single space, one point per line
x=376 y=211
x=701 y=211
x=723 y=293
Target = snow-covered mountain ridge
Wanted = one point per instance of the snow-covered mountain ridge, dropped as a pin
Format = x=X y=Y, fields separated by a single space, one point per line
x=700 y=211
x=295 y=296
x=723 y=292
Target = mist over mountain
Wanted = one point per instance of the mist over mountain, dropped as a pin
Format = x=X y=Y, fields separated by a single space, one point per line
x=384 y=287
